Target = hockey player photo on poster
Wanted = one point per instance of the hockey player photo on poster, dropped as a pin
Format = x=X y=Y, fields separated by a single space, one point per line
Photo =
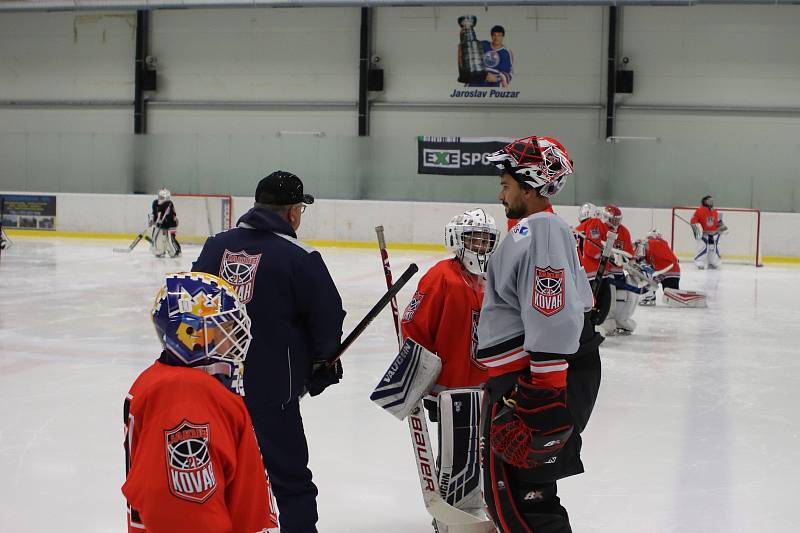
x=483 y=63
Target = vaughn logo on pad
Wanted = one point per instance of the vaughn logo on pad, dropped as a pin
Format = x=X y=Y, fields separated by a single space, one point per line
x=548 y=290
x=189 y=466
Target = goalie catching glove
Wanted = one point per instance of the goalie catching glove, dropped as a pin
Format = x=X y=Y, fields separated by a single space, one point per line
x=532 y=426
x=323 y=375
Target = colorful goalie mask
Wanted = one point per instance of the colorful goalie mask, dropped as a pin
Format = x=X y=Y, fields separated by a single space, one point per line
x=199 y=318
x=541 y=162
x=473 y=237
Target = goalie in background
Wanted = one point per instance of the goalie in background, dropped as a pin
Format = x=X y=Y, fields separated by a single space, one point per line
x=539 y=345
x=654 y=251
x=164 y=223
x=707 y=226
x=443 y=318
x=192 y=460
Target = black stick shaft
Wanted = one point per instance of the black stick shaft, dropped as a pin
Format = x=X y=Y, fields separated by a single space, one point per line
x=375 y=311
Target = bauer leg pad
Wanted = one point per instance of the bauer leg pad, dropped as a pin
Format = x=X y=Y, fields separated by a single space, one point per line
x=459 y=450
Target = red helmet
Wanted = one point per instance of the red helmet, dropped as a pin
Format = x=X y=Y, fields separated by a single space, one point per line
x=541 y=162
x=613 y=216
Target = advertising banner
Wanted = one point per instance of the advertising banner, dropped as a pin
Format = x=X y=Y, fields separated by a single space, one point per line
x=23 y=211
x=458 y=156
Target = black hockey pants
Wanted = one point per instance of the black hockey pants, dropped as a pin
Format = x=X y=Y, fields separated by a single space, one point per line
x=284 y=450
x=526 y=500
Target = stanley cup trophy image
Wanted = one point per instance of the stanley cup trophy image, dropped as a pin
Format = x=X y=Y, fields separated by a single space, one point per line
x=471 y=68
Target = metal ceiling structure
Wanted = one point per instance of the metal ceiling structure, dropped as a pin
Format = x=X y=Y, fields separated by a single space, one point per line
x=136 y=5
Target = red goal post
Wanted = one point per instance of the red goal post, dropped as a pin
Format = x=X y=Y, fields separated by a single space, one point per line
x=740 y=244
x=202 y=215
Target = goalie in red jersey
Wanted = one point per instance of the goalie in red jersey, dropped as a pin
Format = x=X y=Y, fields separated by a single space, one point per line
x=193 y=464
x=443 y=318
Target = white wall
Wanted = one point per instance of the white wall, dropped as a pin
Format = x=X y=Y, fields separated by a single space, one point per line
x=405 y=222
x=681 y=55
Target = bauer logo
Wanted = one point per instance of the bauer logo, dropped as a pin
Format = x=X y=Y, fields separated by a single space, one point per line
x=548 y=290
x=189 y=466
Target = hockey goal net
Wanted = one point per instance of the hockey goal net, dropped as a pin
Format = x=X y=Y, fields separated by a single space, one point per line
x=740 y=244
x=202 y=215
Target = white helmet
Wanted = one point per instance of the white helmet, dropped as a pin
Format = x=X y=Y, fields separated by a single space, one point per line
x=475 y=253
x=654 y=234
x=540 y=162
x=587 y=211
x=163 y=196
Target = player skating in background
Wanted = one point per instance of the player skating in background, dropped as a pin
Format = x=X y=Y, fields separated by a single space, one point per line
x=164 y=221
x=540 y=348
x=654 y=252
x=192 y=461
x=443 y=318
x=707 y=226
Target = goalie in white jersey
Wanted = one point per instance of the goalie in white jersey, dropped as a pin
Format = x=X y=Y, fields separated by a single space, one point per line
x=538 y=344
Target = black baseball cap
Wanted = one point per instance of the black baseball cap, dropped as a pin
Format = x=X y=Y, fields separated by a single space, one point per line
x=282 y=188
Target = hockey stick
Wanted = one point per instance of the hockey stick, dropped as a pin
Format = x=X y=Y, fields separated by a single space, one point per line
x=681 y=218
x=376 y=309
x=387 y=272
x=130 y=248
x=456 y=520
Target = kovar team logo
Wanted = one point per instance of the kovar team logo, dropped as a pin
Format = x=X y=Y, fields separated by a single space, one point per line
x=189 y=466
x=548 y=290
x=443 y=158
x=239 y=269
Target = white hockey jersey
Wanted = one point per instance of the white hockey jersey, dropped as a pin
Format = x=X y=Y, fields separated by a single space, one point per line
x=536 y=295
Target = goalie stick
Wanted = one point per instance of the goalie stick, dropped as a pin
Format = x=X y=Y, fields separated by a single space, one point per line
x=387 y=272
x=130 y=248
x=453 y=518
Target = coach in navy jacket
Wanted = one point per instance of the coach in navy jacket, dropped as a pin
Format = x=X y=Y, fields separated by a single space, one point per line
x=297 y=320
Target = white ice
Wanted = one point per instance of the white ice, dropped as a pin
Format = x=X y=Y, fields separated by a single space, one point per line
x=695 y=429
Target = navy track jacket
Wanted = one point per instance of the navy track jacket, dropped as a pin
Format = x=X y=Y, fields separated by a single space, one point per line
x=294 y=306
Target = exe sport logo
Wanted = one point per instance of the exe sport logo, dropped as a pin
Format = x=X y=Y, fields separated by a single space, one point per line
x=452 y=158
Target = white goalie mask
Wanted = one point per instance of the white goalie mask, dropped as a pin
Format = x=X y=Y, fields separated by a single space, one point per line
x=587 y=211
x=164 y=196
x=473 y=238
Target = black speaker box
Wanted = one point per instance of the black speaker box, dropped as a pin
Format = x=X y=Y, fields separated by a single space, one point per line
x=375 y=79
x=149 y=82
x=624 y=82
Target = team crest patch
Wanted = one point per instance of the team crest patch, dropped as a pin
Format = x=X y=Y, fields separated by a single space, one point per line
x=189 y=466
x=548 y=290
x=413 y=305
x=595 y=234
x=239 y=269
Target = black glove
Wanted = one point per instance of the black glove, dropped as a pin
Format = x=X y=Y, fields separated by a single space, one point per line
x=323 y=375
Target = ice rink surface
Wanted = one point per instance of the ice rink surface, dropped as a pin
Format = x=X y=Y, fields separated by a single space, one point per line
x=695 y=429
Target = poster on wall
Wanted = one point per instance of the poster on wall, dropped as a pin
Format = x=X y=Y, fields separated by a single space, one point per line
x=458 y=156
x=485 y=66
x=23 y=211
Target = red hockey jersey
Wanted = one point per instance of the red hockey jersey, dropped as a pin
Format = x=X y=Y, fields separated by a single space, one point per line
x=193 y=464
x=443 y=317
x=658 y=254
x=707 y=218
x=596 y=230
